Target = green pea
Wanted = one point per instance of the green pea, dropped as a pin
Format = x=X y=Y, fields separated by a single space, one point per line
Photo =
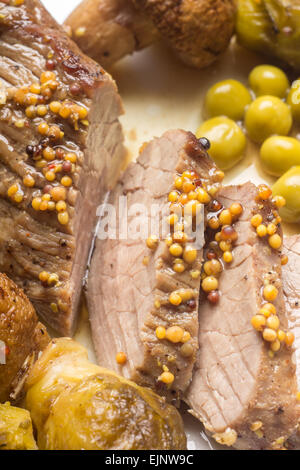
x=227 y=98
x=268 y=80
x=293 y=100
x=227 y=140
x=288 y=186
x=278 y=154
x=266 y=116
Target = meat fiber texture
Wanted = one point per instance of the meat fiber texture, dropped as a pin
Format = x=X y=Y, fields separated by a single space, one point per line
x=236 y=383
x=33 y=241
x=291 y=291
x=126 y=278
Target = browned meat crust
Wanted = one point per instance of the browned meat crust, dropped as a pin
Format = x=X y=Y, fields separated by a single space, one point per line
x=36 y=239
x=31 y=22
x=22 y=334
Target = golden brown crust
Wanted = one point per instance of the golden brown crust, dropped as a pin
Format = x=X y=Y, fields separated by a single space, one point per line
x=110 y=29
x=197 y=30
x=33 y=23
x=34 y=46
x=20 y=331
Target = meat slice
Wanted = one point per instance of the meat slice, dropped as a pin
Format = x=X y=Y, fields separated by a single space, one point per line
x=243 y=396
x=291 y=291
x=61 y=148
x=129 y=284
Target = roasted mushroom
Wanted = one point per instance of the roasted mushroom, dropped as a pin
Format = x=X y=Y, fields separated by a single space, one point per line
x=77 y=405
x=15 y=429
x=22 y=337
x=197 y=30
x=271 y=27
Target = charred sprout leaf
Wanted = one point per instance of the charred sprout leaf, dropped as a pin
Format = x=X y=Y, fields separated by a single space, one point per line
x=77 y=405
x=271 y=27
x=15 y=429
x=103 y=412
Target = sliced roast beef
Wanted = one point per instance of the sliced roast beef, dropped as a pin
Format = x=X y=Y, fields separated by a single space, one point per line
x=243 y=395
x=129 y=284
x=291 y=291
x=60 y=150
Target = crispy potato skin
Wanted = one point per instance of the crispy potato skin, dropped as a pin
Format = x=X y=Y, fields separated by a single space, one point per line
x=113 y=29
x=197 y=30
x=77 y=405
x=21 y=332
x=15 y=429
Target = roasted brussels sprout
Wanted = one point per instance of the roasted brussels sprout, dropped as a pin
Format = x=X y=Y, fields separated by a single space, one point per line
x=15 y=429
x=271 y=27
x=77 y=405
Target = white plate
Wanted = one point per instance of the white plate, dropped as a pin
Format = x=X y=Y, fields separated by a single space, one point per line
x=159 y=93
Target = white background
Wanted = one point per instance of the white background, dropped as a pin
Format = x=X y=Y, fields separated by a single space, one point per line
x=60 y=8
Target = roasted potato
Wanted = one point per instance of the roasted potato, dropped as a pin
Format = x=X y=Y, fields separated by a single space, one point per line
x=15 y=429
x=77 y=405
x=22 y=336
x=271 y=27
x=108 y=30
x=198 y=31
